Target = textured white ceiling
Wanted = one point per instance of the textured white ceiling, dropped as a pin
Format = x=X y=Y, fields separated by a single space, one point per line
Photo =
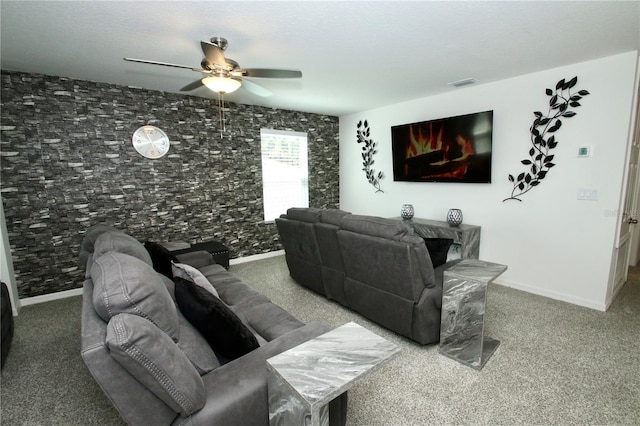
x=354 y=55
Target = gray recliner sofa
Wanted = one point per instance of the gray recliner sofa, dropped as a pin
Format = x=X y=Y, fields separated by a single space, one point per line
x=375 y=266
x=153 y=364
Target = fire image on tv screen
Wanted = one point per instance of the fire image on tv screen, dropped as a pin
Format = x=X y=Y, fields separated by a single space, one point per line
x=453 y=149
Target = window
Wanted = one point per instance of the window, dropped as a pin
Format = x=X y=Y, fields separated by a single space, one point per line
x=285 y=173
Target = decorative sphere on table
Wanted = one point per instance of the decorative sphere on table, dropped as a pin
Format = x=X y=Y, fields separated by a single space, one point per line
x=454 y=217
x=406 y=212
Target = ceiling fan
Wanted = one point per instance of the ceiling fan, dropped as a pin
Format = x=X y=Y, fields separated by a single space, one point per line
x=225 y=74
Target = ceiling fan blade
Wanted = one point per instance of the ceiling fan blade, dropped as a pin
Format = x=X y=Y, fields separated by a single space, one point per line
x=271 y=73
x=192 y=86
x=165 y=64
x=255 y=88
x=213 y=53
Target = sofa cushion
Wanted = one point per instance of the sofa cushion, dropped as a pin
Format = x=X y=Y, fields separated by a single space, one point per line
x=303 y=214
x=224 y=331
x=190 y=273
x=116 y=241
x=375 y=226
x=161 y=258
x=170 y=286
x=125 y=284
x=269 y=320
x=298 y=238
x=438 y=249
x=90 y=237
x=394 y=267
x=231 y=290
x=196 y=347
x=153 y=359
x=333 y=216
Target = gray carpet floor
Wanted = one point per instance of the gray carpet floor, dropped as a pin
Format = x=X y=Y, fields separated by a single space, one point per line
x=558 y=364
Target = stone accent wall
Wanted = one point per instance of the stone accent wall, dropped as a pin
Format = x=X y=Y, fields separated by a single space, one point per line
x=67 y=163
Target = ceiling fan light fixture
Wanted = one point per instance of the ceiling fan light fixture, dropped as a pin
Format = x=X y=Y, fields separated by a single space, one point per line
x=221 y=84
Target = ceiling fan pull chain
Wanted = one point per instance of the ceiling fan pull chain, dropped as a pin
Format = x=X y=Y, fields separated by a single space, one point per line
x=224 y=124
x=221 y=113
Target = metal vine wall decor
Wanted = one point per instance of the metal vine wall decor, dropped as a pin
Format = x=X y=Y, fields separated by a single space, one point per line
x=541 y=160
x=368 y=150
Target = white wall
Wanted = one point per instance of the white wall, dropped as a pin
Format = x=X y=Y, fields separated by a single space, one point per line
x=554 y=244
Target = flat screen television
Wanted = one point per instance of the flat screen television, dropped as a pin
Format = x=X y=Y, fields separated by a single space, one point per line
x=452 y=149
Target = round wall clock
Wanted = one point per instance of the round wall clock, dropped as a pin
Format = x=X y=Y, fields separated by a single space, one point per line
x=150 y=142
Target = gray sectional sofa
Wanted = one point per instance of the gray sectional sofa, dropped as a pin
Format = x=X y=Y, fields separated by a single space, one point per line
x=375 y=266
x=151 y=359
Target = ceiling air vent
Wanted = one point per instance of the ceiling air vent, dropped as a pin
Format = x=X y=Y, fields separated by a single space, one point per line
x=463 y=82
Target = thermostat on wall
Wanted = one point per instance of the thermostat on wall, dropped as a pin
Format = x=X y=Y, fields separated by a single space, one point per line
x=584 y=151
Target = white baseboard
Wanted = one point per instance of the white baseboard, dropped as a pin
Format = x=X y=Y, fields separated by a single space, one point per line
x=256 y=257
x=78 y=291
x=51 y=296
x=553 y=295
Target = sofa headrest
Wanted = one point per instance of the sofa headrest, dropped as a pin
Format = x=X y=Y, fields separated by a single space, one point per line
x=375 y=226
x=304 y=214
x=333 y=216
x=125 y=284
x=90 y=237
x=120 y=242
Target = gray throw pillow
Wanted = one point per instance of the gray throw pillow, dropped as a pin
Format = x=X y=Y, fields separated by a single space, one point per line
x=154 y=360
x=190 y=273
x=124 y=284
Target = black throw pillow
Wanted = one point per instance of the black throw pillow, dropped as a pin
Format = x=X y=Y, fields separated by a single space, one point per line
x=223 y=330
x=438 y=249
x=161 y=258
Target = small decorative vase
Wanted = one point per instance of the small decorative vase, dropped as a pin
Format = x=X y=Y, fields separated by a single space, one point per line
x=454 y=217
x=406 y=212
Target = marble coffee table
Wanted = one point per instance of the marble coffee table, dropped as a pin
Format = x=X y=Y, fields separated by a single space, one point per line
x=464 y=293
x=303 y=380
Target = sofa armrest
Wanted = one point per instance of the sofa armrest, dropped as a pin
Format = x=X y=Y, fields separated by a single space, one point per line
x=198 y=259
x=237 y=391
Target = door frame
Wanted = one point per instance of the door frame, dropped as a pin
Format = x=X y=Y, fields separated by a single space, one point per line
x=634 y=240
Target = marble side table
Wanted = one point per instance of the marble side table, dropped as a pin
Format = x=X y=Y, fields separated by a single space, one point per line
x=464 y=295
x=303 y=380
x=466 y=238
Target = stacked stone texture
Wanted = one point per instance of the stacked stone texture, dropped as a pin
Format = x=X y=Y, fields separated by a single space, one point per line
x=67 y=163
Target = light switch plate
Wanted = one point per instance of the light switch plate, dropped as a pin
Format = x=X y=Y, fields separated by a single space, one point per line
x=588 y=194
